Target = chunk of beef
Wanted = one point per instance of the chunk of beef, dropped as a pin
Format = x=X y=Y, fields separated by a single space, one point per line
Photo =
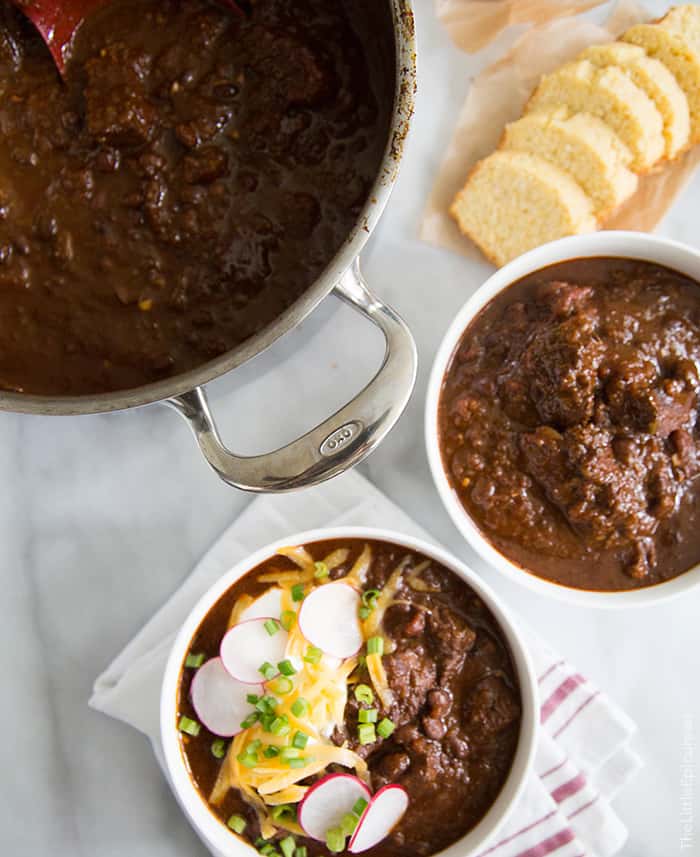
x=561 y=365
x=489 y=708
x=611 y=490
x=411 y=674
x=295 y=74
x=206 y=124
x=451 y=638
x=404 y=621
x=563 y=299
x=118 y=109
x=638 y=401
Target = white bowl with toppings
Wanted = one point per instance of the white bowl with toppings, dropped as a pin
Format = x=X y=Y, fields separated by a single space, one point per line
x=348 y=690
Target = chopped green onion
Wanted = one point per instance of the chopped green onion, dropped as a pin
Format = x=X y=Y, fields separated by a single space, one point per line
x=368 y=715
x=363 y=613
x=385 y=727
x=359 y=806
x=284 y=810
x=369 y=598
x=266 y=720
x=298 y=763
x=253 y=746
x=300 y=740
x=298 y=592
x=271 y=626
x=269 y=850
x=271 y=751
x=260 y=841
x=237 y=823
x=194 y=661
x=300 y=707
x=266 y=704
x=267 y=670
x=280 y=726
x=313 y=655
x=251 y=719
x=335 y=840
x=218 y=748
x=362 y=662
x=321 y=570
x=366 y=733
x=252 y=698
x=287 y=753
x=189 y=727
x=288 y=845
x=375 y=646
x=286 y=667
x=301 y=851
x=348 y=823
x=282 y=685
x=287 y=619
x=363 y=694
x=248 y=760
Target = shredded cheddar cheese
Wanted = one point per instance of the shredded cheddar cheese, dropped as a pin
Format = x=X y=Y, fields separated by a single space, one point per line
x=242 y=603
x=377 y=673
x=415 y=581
x=263 y=773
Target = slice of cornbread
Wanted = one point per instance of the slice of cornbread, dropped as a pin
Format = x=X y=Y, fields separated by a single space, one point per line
x=609 y=94
x=676 y=51
x=657 y=81
x=686 y=21
x=514 y=201
x=581 y=145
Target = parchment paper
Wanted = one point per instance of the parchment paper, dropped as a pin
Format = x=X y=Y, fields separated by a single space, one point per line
x=498 y=95
x=472 y=24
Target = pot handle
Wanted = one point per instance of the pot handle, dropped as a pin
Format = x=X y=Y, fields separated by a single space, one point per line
x=341 y=441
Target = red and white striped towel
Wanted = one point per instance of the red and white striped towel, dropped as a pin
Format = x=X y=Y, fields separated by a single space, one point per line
x=582 y=759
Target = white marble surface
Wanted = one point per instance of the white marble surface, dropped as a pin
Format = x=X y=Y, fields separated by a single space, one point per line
x=101 y=517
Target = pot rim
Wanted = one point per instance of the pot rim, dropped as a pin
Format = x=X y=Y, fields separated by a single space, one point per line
x=402 y=111
x=620 y=244
x=211 y=830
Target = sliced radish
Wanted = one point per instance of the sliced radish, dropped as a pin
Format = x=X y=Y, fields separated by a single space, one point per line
x=327 y=801
x=219 y=700
x=247 y=646
x=381 y=816
x=328 y=619
x=268 y=604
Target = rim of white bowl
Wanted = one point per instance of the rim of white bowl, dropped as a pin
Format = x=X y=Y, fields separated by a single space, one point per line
x=624 y=245
x=213 y=832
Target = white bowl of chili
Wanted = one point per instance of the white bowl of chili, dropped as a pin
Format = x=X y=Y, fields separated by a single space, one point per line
x=528 y=273
x=420 y=586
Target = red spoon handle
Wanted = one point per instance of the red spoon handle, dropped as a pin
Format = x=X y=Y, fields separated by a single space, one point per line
x=57 y=21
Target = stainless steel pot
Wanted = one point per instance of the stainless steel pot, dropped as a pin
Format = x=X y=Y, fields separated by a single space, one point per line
x=346 y=437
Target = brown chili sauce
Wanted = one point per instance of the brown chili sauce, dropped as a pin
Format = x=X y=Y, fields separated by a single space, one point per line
x=190 y=179
x=568 y=423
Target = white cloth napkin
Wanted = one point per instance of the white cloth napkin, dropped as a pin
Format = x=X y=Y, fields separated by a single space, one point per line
x=582 y=760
